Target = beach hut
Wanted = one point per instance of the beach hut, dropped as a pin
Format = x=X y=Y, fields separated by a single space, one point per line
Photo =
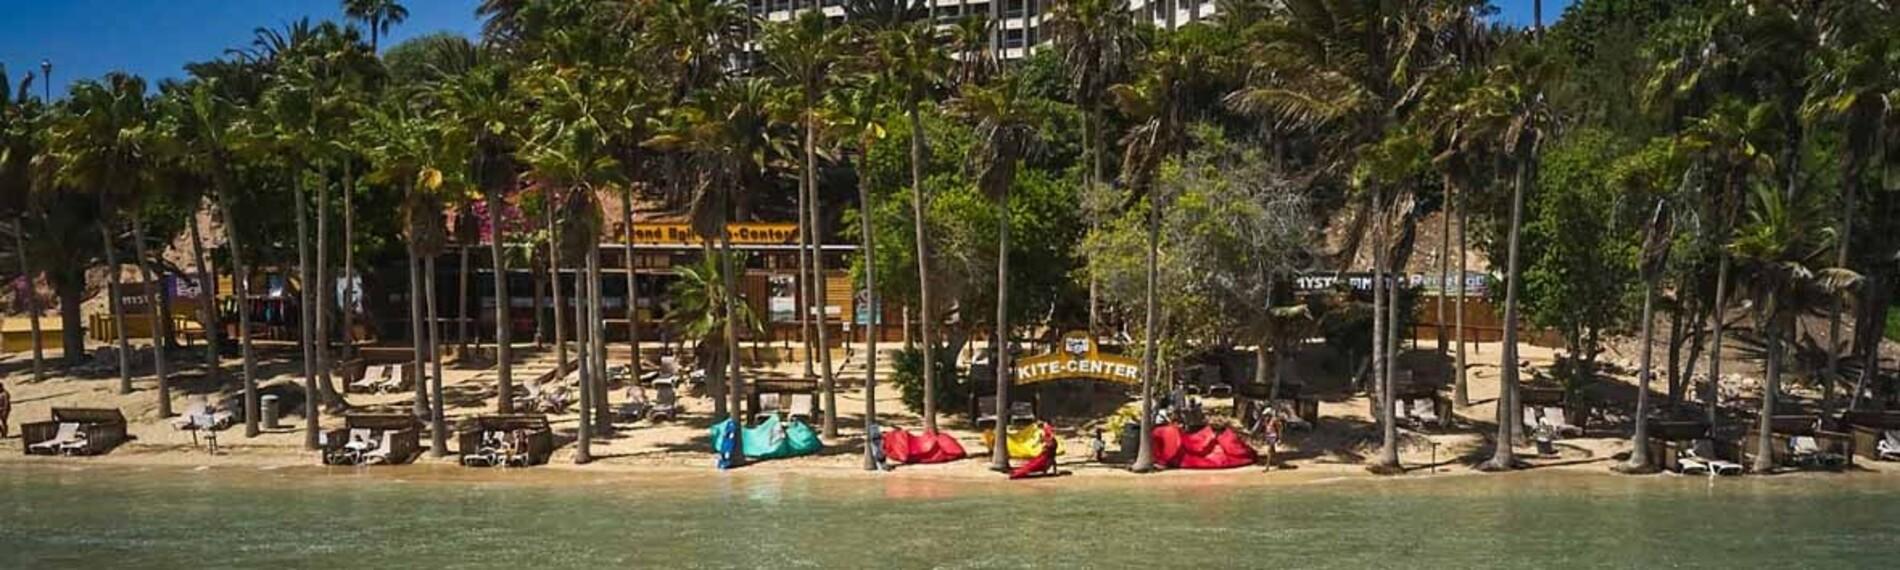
x=373 y=439
x=1798 y=440
x=515 y=440
x=75 y=431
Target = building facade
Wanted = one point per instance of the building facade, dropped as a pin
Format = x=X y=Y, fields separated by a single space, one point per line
x=1022 y=20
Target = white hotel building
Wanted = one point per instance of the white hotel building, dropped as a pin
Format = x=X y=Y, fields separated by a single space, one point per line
x=1022 y=19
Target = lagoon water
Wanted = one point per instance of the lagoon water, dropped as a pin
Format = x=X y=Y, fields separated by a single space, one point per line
x=85 y=516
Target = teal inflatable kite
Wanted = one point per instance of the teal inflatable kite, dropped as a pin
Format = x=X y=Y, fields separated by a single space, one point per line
x=771 y=439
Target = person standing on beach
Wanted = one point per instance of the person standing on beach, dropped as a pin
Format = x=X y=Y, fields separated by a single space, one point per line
x=6 y=409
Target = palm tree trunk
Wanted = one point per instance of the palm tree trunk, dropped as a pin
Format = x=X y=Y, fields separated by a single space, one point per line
x=438 y=430
x=240 y=281
x=806 y=298
x=584 y=446
x=1639 y=461
x=597 y=340
x=1144 y=452
x=736 y=391
x=1875 y=309
x=349 y=263
x=1504 y=456
x=1677 y=337
x=1460 y=393
x=1091 y=138
x=927 y=312
x=207 y=302
x=112 y=297
x=873 y=329
x=540 y=299
x=462 y=298
x=32 y=299
x=1764 y=446
x=1830 y=375
x=999 y=455
x=504 y=350
x=306 y=337
x=633 y=286
x=560 y=301
x=1710 y=397
x=715 y=388
x=1444 y=266
x=418 y=334
x=827 y=375
x=321 y=288
x=1385 y=298
x=154 y=292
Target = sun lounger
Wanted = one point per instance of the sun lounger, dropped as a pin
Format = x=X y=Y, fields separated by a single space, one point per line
x=68 y=433
x=1716 y=465
x=803 y=407
x=1806 y=450
x=768 y=407
x=1426 y=411
x=1688 y=464
x=381 y=454
x=1889 y=446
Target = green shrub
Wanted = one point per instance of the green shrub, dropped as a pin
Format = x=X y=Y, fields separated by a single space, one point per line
x=953 y=393
x=1893 y=325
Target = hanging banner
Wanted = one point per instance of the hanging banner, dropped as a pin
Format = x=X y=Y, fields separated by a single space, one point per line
x=1078 y=357
x=746 y=233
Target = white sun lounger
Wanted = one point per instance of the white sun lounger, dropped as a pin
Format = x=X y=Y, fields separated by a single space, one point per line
x=1888 y=448
x=67 y=438
x=1807 y=450
x=802 y=407
x=769 y=406
x=1717 y=466
x=1425 y=411
x=380 y=454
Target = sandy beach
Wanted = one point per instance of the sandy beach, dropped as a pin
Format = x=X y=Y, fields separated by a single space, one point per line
x=1338 y=447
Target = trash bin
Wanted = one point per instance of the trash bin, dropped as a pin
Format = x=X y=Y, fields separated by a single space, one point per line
x=268 y=405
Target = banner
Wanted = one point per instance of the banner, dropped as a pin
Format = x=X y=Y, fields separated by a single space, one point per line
x=745 y=233
x=783 y=305
x=1078 y=357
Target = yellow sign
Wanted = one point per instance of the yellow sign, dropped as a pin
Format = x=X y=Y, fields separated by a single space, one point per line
x=750 y=233
x=1078 y=357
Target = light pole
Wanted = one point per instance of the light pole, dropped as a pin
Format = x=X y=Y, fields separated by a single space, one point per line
x=46 y=74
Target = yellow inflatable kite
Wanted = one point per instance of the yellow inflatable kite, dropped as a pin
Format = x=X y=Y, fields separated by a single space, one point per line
x=1024 y=442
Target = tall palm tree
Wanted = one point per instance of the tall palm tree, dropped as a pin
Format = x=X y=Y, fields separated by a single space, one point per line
x=860 y=110
x=202 y=120
x=1097 y=40
x=1158 y=102
x=913 y=55
x=1779 y=251
x=1006 y=127
x=20 y=128
x=802 y=54
x=101 y=146
x=1655 y=256
x=376 y=15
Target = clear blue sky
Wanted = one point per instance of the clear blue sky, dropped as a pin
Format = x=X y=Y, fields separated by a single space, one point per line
x=155 y=38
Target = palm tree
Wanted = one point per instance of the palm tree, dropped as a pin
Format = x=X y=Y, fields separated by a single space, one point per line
x=377 y=15
x=1097 y=39
x=203 y=122
x=802 y=54
x=913 y=55
x=20 y=126
x=1655 y=256
x=1006 y=127
x=1777 y=252
x=1157 y=102
x=860 y=110
x=101 y=147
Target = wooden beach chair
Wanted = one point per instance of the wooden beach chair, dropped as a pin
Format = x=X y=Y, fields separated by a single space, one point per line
x=75 y=431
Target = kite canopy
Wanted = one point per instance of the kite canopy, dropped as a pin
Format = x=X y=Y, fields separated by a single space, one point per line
x=771 y=439
x=902 y=447
x=1025 y=442
x=1205 y=448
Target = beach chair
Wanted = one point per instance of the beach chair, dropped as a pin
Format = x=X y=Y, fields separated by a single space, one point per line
x=382 y=454
x=1425 y=411
x=1702 y=453
x=373 y=379
x=1806 y=450
x=803 y=407
x=665 y=399
x=1888 y=449
x=768 y=407
x=195 y=406
x=68 y=434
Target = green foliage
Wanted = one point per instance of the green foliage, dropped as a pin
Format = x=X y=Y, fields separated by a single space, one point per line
x=953 y=392
x=1893 y=326
x=1581 y=242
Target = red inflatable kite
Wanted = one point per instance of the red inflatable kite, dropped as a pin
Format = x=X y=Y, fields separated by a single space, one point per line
x=1206 y=448
x=902 y=447
x=1044 y=463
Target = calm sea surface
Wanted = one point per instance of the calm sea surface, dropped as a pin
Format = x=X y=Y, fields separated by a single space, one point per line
x=85 y=516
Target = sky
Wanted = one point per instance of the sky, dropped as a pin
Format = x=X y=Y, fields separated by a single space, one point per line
x=155 y=38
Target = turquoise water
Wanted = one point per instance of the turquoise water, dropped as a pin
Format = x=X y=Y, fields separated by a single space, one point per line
x=111 y=517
